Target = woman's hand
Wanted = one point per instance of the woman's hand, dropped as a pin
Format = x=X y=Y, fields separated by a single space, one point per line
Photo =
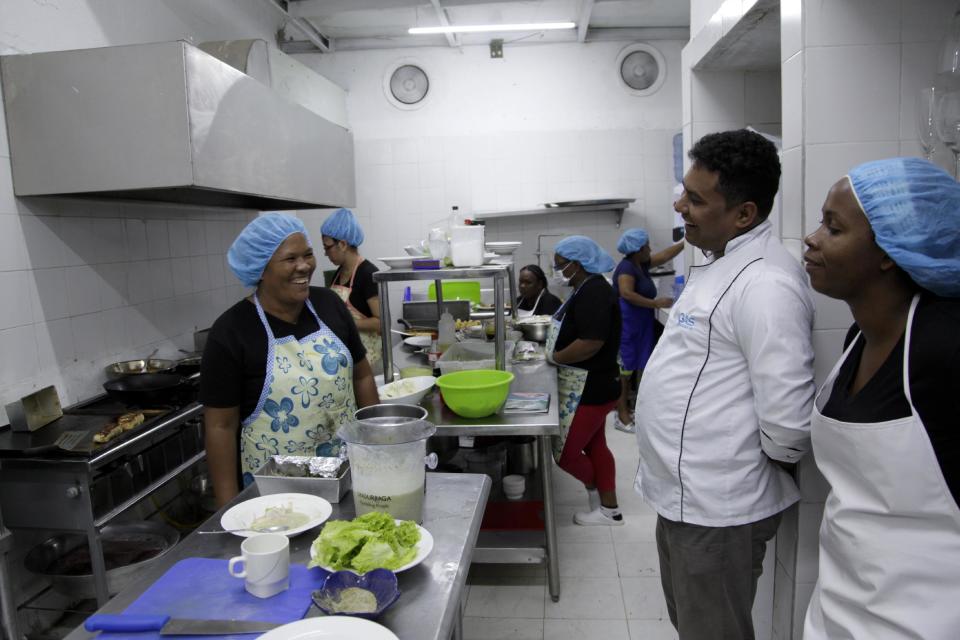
x=220 y=427
x=663 y=303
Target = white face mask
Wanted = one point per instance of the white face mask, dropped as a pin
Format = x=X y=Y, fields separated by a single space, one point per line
x=560 y=278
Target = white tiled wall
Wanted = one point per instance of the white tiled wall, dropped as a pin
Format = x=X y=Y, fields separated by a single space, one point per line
x=87 y=283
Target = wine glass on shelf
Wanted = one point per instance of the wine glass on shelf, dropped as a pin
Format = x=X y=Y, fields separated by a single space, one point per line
x=948 y=124
x=926 y=120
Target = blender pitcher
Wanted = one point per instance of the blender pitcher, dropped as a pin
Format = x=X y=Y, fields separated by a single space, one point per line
x=387 y=448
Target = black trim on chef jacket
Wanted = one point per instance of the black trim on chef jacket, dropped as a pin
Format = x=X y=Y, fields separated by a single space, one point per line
x=686 y=411
x=934 y=383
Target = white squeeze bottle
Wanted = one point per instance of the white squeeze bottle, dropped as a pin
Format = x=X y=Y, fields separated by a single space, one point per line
x=446 y=332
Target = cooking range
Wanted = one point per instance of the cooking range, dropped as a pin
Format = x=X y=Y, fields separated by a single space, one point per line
x=59 y=478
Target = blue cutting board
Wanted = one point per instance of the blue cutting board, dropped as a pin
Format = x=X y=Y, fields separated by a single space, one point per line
x=202 y=588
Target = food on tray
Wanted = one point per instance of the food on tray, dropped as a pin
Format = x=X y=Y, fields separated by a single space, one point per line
x=116 y=427
x=371 y=541
x=398 y=389
x=535 y=320
x=465 y=324
x=282 y=516
x=307 y=466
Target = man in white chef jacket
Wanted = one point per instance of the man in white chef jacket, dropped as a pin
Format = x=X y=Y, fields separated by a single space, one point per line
x=727 y=394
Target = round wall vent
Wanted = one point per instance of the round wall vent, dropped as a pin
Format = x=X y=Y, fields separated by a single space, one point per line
x=641 y=69
x=406 y=84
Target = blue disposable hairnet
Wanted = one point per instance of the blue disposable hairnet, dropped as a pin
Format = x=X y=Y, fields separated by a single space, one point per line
x=913 y=207
x=587 y=252
x=251 y=251
x=632 y=241
x=342 y=225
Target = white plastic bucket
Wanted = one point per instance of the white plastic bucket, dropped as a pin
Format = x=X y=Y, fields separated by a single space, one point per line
x=466 y=246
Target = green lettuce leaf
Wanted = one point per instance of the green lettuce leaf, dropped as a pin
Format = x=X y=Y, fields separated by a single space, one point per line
x=371 y=541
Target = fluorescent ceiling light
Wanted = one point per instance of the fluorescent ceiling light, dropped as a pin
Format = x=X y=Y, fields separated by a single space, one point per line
x=481 y=28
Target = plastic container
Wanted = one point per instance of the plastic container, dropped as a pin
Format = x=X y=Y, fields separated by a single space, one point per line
x=489 y=461
x=522 y=455
x=678 y=283
x=387 y=448
x=468 y=356
x=475 y=394
x=446 y=331
x=466 y=246
x=514 y=486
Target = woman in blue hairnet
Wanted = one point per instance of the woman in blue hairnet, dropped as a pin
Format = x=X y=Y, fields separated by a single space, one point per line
x=638 y=304
x=284 y=367
x=884 y=425
x=353 y=281
x=582 y=341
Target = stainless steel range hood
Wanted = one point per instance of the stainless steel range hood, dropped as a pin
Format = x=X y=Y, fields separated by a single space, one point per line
x=167 y=122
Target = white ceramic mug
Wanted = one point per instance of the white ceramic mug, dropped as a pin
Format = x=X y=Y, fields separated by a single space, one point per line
x=266 y=564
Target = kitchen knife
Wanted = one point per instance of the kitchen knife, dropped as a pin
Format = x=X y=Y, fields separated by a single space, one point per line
x=168 y=626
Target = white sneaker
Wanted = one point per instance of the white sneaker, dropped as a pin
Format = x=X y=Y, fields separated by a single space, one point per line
x=630 y=427
x=601 y=516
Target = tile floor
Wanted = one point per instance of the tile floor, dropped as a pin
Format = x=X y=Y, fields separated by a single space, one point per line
x=609 y=576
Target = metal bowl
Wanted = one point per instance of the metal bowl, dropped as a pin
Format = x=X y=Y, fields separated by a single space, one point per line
x=136 y=367
x=128 y=549
x=535 y=331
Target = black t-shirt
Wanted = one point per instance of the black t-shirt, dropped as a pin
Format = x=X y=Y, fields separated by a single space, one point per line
x=235 y=359
x=364 y=287
x=594 y=314
x=934 y=383
x=547 y=306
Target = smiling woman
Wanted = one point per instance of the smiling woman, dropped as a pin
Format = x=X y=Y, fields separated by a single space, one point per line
x=284 y=367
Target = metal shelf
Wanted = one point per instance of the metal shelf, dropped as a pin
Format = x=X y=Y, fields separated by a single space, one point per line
x=614 y=208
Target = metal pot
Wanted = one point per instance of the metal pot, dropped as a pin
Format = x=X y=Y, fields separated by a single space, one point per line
x=189 y=364
x=535 y=331
x=127 y=550
x=139 y=367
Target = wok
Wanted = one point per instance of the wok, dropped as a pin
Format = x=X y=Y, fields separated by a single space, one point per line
x=139 y=367
x=146 y=389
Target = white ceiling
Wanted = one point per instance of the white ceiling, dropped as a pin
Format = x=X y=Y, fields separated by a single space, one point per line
x=378 y=24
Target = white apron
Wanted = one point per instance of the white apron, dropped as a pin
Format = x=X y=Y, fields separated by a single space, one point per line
x=890 y=536
x=307 y=394
x=523 y=313
x=570 y=380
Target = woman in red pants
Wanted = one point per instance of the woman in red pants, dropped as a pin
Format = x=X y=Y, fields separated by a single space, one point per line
x=583 y=342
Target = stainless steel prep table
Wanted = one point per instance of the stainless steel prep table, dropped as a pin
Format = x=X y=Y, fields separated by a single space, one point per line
x=429 y=607
x=532 y=376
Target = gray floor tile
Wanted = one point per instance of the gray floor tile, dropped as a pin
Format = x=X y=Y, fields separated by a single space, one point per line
x=637 y=559
x=509 y=598
x=643 y=599
x=588 y=560
x=588 y=599
x=651 y=630
x=502 y=629
x=585 y=629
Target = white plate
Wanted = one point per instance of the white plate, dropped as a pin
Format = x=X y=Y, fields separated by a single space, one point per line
x=421 y=384
x=330 y=628
x=503 y=248
x=424 y=547
x=418 y=342
x=398 y=262
x=243 y=514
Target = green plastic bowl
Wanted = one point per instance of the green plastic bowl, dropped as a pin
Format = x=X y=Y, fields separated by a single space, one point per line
x=476 y=393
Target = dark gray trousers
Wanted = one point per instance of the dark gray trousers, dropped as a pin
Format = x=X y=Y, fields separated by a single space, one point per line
x=709 y=576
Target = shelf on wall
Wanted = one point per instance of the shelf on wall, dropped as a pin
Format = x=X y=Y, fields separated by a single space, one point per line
x=739 y=37
x=617 y=208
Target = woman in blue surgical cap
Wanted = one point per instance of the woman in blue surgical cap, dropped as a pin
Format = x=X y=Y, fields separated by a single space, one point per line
x=284 y=367
x=583 y=341
x=638 y=303
x=884 y=425
x=353 y=281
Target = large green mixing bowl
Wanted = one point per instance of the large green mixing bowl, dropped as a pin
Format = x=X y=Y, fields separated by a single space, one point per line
x=476 y=393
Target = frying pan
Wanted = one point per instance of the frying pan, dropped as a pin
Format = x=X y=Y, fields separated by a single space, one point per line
x=146 y=389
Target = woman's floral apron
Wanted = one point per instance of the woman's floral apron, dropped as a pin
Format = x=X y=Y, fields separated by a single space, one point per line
x=370 y=339
x=307 y=394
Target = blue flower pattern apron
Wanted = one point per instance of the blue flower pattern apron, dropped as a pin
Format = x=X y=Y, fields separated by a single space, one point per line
x=570 y=380
x=307 y=394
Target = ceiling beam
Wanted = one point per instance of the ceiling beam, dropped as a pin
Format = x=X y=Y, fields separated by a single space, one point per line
x=320 y=41
x=453 y=39
x=586 y=8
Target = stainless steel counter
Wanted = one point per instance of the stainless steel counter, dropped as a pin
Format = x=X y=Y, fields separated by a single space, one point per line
x=429 y=607
x=539 y=376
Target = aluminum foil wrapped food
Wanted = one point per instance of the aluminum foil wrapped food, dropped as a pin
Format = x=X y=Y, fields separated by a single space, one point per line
x=307 y=466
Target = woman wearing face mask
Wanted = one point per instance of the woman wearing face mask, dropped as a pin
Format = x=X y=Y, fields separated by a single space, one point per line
x=353 y=281
x=534 y=298
x=638 y=303
x=284 y=367
x=583 y=341
x=884 y=425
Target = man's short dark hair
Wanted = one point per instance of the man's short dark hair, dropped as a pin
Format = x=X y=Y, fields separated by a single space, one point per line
x=747 y=164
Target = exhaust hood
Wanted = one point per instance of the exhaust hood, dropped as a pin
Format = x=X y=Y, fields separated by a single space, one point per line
x=167 y=122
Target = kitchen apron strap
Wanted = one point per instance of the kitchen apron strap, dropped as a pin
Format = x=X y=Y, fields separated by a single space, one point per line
x=370 y=339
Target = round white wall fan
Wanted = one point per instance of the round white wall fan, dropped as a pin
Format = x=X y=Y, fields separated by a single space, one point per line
x=641 y=69
x=406 y=84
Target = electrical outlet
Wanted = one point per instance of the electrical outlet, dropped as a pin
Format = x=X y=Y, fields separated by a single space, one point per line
x=496 y=48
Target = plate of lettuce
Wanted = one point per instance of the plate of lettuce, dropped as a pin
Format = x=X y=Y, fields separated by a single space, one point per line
x=371 y=541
